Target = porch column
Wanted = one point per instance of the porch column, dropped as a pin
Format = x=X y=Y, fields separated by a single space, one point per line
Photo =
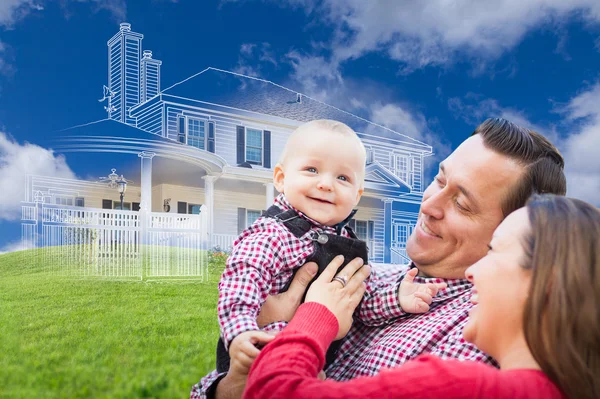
x=146 y=193
x=209 y=201
x=269 y=194
x=387 y=230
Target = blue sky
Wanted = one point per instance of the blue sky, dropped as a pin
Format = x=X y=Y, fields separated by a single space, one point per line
x=432 y=70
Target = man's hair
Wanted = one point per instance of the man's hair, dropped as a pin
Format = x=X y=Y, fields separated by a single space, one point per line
x=541 y=161
x=323 y=124
x=561 y=322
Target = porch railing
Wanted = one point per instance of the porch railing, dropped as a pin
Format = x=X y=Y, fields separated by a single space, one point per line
x=117 y=243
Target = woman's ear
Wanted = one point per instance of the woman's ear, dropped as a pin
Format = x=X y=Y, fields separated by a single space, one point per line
x=278 y=177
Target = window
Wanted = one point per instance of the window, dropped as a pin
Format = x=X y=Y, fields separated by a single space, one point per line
x=188 y=208
x=402 y=166
x=194 y=209
x=195 y=133
x=251 y=216
x=63 y=200
x=369 y=154
x=401 y=232
x=246 y=217
x=79 y=201
x=254 y=146
x=117 y=205
x=362 y=231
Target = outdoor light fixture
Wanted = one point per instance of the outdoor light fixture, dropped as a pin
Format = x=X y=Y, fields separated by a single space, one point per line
x=122 y=187
x=118 y=182
x=166 y=206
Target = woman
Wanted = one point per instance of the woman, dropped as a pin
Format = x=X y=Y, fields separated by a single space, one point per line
x=537 y=293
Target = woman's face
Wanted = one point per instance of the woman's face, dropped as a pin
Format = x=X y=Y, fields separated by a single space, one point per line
x=500 y=287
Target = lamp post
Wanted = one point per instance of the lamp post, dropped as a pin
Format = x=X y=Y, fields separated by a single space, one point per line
x=122 y=186
x=118 y=182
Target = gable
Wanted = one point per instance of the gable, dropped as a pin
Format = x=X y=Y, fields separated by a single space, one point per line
x=381 y=181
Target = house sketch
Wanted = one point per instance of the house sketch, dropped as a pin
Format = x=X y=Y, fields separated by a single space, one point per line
x=223 y=132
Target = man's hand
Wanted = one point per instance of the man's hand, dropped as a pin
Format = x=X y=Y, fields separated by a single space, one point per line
x=282 y=307
x=414 y=297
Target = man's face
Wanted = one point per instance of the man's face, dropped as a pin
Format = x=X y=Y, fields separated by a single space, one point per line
x=461 y=208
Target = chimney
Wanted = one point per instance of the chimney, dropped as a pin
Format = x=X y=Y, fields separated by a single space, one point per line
x=149 y=76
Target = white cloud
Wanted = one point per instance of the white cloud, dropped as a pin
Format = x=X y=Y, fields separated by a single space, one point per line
x=422 y=33
x=16 y=162
x=474 y=109
x=413 y=124
x=579 y=148
x=13 y=11
x=253 y=57
x=317 y=75
x=582 y=161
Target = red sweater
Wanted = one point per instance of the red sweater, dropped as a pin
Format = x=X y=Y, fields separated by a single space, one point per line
x=287 y=368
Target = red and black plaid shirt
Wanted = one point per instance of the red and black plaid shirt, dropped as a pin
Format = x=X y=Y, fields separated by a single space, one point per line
x=261 y=263
x=383 y=336
x=367 y=349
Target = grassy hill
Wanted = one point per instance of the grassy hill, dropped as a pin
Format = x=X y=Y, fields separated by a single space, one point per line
x=75 y=338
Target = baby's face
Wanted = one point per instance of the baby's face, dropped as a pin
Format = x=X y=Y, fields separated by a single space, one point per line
x=322 y=175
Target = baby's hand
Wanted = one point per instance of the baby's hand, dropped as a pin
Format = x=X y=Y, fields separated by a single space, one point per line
x=414 y=297
x=243 y=350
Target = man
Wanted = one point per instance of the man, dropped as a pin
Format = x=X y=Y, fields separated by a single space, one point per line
x=488 y=176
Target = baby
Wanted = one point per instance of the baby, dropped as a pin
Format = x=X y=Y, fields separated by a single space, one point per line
x=320 y=176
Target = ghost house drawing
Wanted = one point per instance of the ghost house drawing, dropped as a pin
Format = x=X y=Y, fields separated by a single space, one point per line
x=224 y=132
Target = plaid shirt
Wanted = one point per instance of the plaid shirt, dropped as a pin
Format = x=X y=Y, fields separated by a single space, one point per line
x=261 y=263
x=367 y=349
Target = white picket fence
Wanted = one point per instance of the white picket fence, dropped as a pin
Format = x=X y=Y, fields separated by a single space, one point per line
x=117 y=243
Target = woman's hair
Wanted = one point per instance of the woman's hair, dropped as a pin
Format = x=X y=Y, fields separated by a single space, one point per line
x=562 y=312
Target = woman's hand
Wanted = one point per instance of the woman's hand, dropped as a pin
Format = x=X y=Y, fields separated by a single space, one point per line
x=340 y=297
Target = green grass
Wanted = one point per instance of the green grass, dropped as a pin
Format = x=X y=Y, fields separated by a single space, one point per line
x=69 y=338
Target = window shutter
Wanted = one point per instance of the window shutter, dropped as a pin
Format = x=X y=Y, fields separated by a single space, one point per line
x=241 y=144
x=211 y=137
x=107 y=204
x=267 y=149
x=181 y=129
x=135 y=206
x=371 y=229
x=241 y=220
x=181 y=207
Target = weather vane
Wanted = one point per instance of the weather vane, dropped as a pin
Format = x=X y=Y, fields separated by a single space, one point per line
x=108 y=95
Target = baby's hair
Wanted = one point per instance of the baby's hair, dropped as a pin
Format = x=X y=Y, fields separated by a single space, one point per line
x=323 y=124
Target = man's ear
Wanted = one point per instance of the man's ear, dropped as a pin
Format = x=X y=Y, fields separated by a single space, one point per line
x=278 y=177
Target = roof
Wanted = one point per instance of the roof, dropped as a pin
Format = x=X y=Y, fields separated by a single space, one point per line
x=112 y=128
x=248 y=93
